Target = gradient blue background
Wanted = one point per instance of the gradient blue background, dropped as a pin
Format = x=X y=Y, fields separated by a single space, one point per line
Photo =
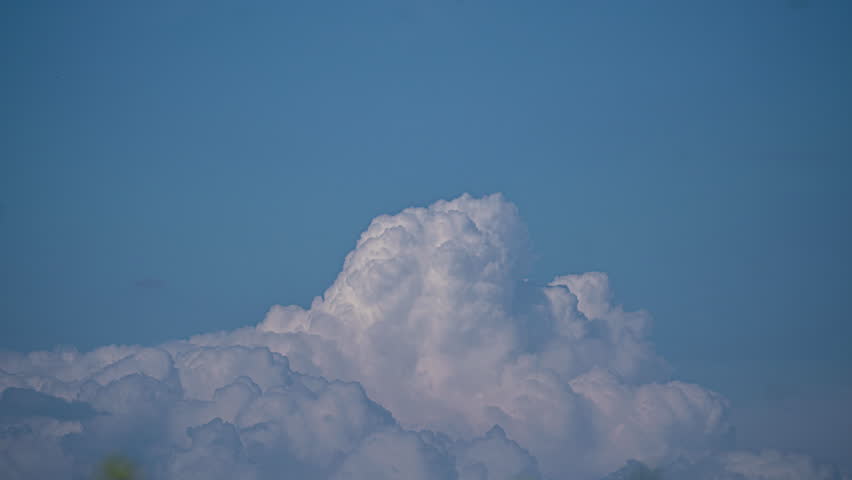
x=171 y=168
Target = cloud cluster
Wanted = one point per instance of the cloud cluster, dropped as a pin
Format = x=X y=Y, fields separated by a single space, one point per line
x=739 y=465
x=229 y=412
x=428 y=358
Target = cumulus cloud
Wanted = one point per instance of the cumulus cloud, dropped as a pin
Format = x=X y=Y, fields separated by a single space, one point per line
x=740 y=465
x=428 y=357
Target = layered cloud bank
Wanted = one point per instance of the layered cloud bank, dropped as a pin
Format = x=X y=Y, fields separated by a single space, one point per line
x=428 y=358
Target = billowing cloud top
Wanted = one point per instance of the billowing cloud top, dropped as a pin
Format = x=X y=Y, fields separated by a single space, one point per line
x=428 y=358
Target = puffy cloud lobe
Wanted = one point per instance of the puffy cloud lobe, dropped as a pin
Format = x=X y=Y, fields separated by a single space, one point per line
x=289 y=422
x=430 y=314
x=216 y=453
x=430 y=319
x=395 y=455
x=739 y=465
x=305 y=426
x=494 y=456
x=772 y=465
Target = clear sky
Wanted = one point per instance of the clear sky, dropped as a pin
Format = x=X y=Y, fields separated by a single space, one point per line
x=171 y=168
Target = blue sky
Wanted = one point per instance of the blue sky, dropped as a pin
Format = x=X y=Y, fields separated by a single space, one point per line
x=172 y=168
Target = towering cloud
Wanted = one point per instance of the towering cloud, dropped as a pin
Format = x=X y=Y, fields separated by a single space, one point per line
x=429 y=357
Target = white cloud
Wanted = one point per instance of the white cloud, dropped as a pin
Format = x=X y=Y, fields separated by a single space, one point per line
x=429 y=319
